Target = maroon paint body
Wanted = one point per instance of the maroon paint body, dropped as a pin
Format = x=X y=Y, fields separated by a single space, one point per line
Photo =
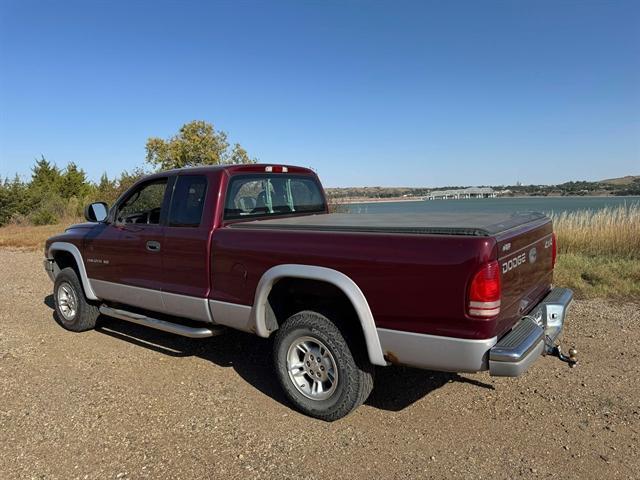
x=416 y=283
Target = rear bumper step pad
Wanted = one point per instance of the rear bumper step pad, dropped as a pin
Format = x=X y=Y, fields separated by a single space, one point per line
x=532 y=336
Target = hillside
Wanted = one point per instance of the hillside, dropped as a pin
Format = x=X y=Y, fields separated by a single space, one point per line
x=628 y=180
x=629 y=185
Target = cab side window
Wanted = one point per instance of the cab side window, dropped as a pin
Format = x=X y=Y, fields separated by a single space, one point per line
x=144 y=205
x=187 y=203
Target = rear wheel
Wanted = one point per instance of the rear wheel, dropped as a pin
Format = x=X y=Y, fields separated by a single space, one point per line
x=73 y=310
x=320 y=374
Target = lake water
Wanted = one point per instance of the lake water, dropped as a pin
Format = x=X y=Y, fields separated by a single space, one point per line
x=505 y=204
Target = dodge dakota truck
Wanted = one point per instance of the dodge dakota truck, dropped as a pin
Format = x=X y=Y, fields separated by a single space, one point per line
x=253 y=247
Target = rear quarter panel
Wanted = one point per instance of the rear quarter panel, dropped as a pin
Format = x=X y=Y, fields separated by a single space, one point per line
x=415 y=283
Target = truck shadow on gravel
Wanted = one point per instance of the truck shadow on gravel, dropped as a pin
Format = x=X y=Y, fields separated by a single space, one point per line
x=395 y=387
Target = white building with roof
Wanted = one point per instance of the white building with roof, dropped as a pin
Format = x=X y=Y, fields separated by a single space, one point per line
x=470 y=192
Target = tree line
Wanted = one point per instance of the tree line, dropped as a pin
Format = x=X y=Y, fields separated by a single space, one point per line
x=579 y=188
x=55 y=194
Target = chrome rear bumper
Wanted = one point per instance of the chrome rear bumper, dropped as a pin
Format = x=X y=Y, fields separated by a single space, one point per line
x=533 y=335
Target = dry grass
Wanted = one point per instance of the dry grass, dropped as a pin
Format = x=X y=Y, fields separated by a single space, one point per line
x=599 y=252
x=611 y=231
x=27 y=237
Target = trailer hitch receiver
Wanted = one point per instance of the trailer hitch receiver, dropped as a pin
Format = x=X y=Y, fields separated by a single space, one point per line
x=571 y=359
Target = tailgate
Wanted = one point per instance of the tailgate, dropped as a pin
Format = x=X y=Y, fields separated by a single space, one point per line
x=525 y=259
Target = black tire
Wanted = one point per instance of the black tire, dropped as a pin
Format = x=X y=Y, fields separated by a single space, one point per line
x=86 y=314
x=354 y=371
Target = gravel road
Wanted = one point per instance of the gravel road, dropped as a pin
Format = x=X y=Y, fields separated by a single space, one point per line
x=128 y=402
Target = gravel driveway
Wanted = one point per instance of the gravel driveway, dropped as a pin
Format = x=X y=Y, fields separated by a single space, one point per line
x=127 y=402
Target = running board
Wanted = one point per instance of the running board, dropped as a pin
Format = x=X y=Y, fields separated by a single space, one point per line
x=185 y=331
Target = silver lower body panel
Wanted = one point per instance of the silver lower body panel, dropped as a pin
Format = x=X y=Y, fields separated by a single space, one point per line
x=434 y=352
x=193 y=308
x=232 y=315
x=508 y=356
x=50 y=267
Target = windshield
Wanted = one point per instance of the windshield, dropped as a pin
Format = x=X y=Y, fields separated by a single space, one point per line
x=272 y=194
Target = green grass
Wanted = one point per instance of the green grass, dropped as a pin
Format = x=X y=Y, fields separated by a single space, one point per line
x=601 y=276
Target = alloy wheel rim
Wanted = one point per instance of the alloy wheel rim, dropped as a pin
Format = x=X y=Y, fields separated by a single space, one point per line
x=67 y=301
x=312 y=368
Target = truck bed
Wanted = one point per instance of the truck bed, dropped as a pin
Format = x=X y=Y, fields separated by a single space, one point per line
x=467 y=224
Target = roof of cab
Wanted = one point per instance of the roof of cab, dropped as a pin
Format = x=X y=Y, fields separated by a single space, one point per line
x=231 y=169
x=249 y=168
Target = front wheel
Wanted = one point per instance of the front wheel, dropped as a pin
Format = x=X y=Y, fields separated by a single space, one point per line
x=320 y=374
x=73 y=310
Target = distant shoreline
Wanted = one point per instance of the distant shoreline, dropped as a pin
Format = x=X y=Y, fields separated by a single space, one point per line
x=353 y=201
x=378 y=200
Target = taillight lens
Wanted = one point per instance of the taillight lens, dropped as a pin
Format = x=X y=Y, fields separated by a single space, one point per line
x=484 y=292
x=554 y=250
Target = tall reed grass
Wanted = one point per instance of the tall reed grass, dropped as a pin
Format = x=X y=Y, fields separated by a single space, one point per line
x=610 y=231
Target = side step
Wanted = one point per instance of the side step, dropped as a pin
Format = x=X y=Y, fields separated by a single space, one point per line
x=184 y=330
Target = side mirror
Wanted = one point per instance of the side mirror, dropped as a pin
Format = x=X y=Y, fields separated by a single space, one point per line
x=96 y=212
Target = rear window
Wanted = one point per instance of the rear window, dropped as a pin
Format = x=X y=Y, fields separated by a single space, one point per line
x=266 y=195
x=188 y=201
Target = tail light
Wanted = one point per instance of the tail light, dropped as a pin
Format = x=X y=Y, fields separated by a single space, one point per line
x=554 y=249
x=484 y=292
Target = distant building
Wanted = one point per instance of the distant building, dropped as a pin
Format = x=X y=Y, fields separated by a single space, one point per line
x=471 y=192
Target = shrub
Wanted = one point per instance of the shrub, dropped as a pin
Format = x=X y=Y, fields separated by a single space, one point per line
x=43 y=217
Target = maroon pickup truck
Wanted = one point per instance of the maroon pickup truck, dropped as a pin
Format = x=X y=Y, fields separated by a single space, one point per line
x=254 y=248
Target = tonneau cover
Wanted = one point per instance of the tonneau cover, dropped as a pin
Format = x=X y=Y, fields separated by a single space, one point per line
x=470 y=224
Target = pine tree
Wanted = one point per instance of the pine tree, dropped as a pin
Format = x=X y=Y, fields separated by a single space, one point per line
x=45 y=176
x=73 y=182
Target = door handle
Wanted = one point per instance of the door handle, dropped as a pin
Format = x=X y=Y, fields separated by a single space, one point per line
x=153 y=246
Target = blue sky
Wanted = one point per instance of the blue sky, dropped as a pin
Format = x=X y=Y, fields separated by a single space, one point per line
x=421 y=93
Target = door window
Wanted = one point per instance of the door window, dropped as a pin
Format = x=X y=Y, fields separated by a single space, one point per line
x=188 y=201
x=144 y=205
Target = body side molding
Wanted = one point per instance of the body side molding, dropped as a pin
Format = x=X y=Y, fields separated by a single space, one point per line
x=73 y=250
x=231 y=315
x=176 y=304
x=334 y=277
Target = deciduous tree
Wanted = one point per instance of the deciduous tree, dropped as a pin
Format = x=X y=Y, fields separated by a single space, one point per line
x=196 y=143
